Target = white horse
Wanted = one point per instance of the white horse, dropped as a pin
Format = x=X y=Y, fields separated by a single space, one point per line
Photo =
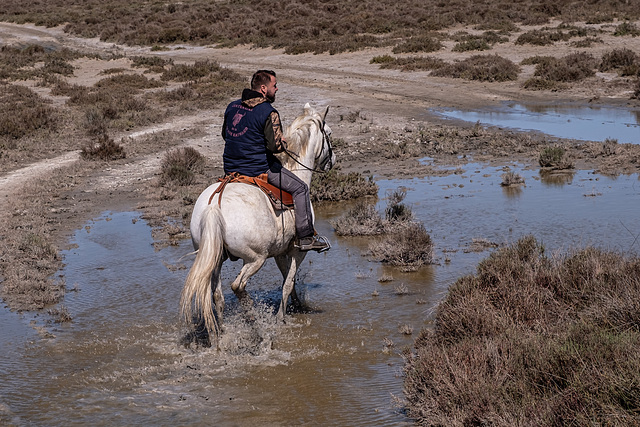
x=246 y=226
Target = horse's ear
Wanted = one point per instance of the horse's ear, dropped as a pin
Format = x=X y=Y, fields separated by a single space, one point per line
x=324 y=116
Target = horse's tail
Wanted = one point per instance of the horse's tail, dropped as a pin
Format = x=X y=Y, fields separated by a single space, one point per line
x=197 y=293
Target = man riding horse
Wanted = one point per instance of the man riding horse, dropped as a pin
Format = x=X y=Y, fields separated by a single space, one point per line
x=252 y=132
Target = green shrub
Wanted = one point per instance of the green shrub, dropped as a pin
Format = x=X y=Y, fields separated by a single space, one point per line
x=554 y=157
x=382 y=59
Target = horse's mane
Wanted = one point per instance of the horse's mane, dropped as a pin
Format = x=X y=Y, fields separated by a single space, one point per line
x=298 y=133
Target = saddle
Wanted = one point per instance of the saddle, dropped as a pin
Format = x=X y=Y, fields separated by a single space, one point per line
x=279 y=198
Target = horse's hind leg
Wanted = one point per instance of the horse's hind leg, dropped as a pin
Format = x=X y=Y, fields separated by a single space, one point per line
x=248 y=270
x=218 y=296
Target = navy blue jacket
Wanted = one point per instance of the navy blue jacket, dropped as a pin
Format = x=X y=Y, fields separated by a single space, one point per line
x=245 y=149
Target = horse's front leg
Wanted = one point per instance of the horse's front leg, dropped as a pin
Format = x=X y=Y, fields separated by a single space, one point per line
x=288 y=266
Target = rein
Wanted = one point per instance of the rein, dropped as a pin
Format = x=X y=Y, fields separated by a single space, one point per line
x=325 y=137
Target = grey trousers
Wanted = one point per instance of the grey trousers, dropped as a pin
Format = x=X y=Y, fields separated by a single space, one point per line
x=290 y=183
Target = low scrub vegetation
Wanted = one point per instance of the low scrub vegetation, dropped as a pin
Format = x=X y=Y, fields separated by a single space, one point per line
x=311 y=26
x=625 y=61
x=336 y=186
x=542 y=37
x=419 y=44
x=555 y=72
x=403 y=242
x=485 y=41
x=627 y=29
x=490 y=68
x=532 y=339
x=23 y=113
x=361 y=220
x=410 y=63
x=364 y=220
x=33 y=61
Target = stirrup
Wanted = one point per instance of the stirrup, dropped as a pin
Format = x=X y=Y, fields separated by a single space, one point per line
x=313 y=243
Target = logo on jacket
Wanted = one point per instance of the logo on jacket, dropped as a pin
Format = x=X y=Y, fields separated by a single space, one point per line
x=234 y=131
x=236 y=119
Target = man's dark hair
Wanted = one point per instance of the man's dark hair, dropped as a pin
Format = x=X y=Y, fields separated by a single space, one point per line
x=261 y=77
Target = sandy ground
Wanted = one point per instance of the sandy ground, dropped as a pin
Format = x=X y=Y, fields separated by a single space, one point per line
x=388 y=102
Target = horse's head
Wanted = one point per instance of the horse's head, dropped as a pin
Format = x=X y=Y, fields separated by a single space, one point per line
x=326 y=157
x=309 y=142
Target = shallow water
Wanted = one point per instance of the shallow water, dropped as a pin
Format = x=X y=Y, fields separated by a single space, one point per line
x=591 y=123
x=120 y=360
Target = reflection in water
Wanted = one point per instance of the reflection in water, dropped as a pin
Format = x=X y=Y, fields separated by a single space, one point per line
x=556 y=178
x=591 y=123
x=119 y=361
x=512 y=191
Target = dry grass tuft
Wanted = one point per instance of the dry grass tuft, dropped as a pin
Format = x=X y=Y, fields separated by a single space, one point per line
x=410 y=247
x=555 y=158
x=511 y=178
x=103 y=149
x=180 y=166
x=336 y=186
x=361 y=220
x=532 y=340
x=410 y=63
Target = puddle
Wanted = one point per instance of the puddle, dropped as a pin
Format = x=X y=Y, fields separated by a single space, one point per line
x=592 y=123
x=119 y=361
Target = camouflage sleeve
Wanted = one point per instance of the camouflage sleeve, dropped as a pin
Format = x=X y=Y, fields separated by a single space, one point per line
x=273 y=133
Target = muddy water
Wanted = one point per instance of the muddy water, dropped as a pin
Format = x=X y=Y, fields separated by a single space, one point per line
x=120 y=360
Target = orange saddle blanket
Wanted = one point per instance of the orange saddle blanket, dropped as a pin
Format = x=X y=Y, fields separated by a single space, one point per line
x=280 y=199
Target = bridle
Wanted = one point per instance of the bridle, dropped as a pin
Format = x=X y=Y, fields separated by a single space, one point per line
x=325 y=140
